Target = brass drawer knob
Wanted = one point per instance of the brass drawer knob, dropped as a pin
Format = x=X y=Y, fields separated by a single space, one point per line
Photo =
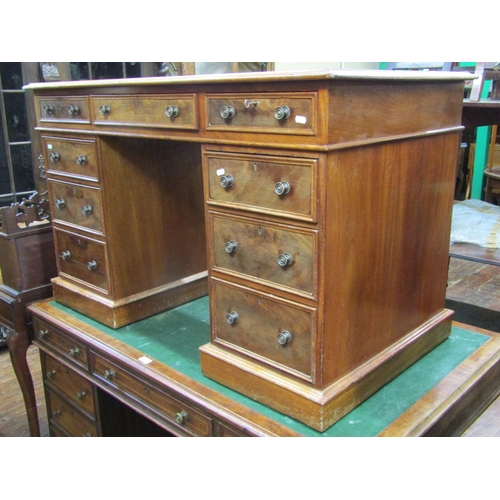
x=172 y=111
x=284 y=337
x=54 y=156
x=86 y=209
x=282 y=112
x=227 y=112
x=231 y=246
x=48 y=108
x=66 y=255
x=56 y=413
x=226 y=181
x=43 y=333
x=105 y=109
x=80 y=395
x=51 y=373
x=92 y=265
x=73 y=110
x=181 y=417
x=74 y=352
x=232 y=317
x=282 y=188
x=61 y=203
x=81 y=159
x=109 y=374
x=284 y=259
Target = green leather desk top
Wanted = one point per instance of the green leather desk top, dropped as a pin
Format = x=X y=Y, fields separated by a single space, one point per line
x=174 y=337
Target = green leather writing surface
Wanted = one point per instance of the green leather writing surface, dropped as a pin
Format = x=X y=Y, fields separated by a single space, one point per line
x=174 y=337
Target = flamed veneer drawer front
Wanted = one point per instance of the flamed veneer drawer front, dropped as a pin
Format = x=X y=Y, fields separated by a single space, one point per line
x=76 y=204
x=184 y=416
x=68 y=419
x=280 y=185
x=263 y=327
x=74 y=157
x=65 y=109
x=159 y=111
x=282 y=113
x=82 y=258
x=75 y=387
x=69 y=348
x=276 y=254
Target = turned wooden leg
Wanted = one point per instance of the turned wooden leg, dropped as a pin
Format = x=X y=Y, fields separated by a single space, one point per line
x=18 y=342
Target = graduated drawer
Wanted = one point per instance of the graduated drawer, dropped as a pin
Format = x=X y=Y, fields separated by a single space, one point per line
x=66 y=346
x=175 y=412
x=77 y=205
x=75 y=157
x=82 y=258
x=271 y=253
x=69 y=420
x=281 y=113
x=174 y=111
x=273 y=331
x=78 y=390
x=280 y=185
x=64 y=109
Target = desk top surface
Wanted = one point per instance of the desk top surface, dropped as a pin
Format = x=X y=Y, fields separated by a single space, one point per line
x=269 y=76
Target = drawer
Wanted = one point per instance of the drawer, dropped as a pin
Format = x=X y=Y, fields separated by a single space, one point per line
x=77 y=390
x=77 y=205
x=67 y=109
x=283 y=113
x=180 y=414
x=275 y=332
x=82 y=258
x=74 y=157
x=268 y=252
x=174 y=111
x=66 y=346
x=69 y=420
x=280 y=185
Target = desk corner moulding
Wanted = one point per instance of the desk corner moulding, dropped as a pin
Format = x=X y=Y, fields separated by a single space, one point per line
x=314 y=208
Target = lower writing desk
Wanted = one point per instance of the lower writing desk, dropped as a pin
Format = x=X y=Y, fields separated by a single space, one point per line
x=145 y=379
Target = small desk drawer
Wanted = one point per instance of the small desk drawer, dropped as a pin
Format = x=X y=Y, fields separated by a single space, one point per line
x=82 y=258
x=69 y=348
x=68 y=419
x=180 y=414
x=75 y=157
x=269 y=252
x=67 y=109
x=272 y=331
x=76 y=388
x=293 y=113
x=77 y=205
x=175 y=111
x=280 y=185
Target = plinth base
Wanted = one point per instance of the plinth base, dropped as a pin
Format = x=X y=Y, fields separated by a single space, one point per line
x=321 y=408
x=118 y=313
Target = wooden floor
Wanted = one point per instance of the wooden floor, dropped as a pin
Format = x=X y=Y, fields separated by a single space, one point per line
x=469 y=282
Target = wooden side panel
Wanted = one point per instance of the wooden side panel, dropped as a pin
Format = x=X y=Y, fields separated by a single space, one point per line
x=369 y=110
x=387 y=243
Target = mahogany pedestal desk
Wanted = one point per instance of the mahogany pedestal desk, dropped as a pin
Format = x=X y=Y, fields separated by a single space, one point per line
x=326 y=198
